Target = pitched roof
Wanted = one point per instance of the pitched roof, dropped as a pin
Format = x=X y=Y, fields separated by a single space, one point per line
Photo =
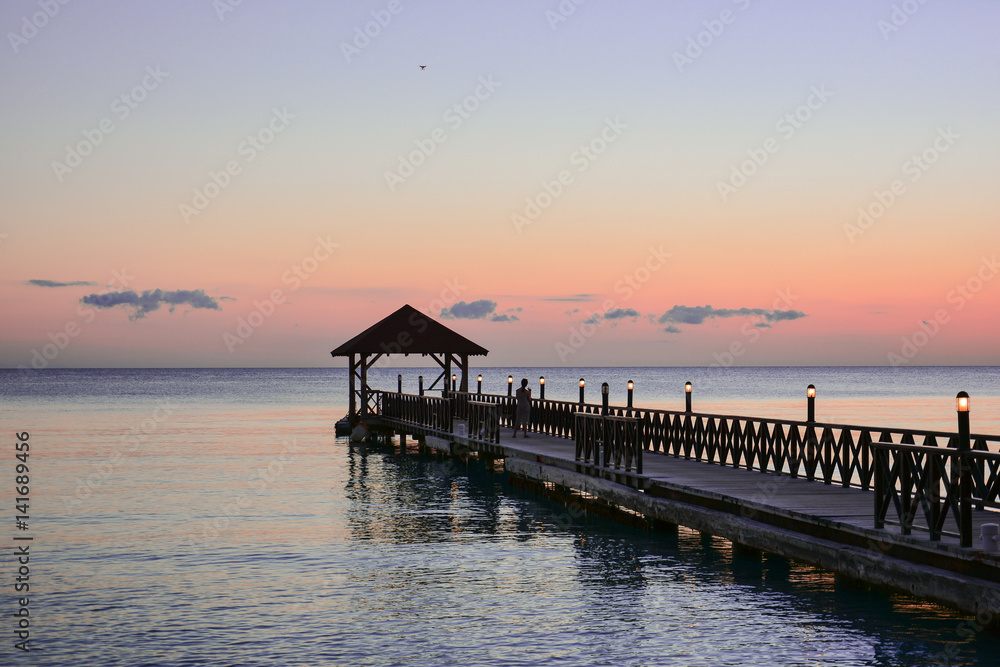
x=408 y=331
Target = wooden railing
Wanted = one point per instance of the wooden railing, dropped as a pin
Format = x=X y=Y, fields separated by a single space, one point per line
x=608 y=441
x=484 y=421
x=547 y=416
x=428 y=411
x=934 y=488
x=831 y=453
x=912 y=471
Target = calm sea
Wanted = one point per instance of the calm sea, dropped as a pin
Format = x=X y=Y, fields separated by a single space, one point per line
x=188 y=517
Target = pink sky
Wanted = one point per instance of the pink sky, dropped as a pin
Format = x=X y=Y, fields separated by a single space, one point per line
x=591 y=118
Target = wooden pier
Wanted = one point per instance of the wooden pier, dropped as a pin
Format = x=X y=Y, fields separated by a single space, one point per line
x=895 y=507
x=864 y=502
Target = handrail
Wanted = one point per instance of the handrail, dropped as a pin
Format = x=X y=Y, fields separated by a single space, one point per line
x=820 y=451
x=942 y=482
x=608 y=441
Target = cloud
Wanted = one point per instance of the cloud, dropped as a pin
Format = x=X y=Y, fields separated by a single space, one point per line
x=621 y=313
x=762 y=325
x=671 y=329
x=53 y=283
x=504 y=318
x=151 y=300
x=477 y=310
x=572 y=297
x=698 y=314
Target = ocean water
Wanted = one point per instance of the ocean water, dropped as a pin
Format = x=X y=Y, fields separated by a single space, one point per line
x=189 y=517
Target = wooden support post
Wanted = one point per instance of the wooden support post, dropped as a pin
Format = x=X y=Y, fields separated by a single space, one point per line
x=447 y=376
x=364 y=386
x=465 y=374
x=352 y=414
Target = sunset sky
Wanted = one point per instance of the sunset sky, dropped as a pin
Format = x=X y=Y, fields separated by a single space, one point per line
x=577 y=183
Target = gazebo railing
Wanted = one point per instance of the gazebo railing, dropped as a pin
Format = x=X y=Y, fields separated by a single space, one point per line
x=431 y=412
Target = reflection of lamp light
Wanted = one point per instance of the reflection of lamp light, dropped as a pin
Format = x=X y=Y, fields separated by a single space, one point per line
x=963 y=401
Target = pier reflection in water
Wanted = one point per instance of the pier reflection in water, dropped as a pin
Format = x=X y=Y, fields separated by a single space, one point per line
x=472 y=561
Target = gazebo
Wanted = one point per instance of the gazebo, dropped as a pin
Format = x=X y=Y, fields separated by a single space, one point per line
x=407 y=331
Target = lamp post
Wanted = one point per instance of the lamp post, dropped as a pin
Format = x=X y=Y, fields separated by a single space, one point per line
x=510 y=385
x=965 y=469
x=687 y=396
x=541 y=383
x=631 y=386
x=479 y=383
x=604 y=398
x=582 y=383
x=399 y=382
x=420 y=384
x=453 y=379
x=811 y=403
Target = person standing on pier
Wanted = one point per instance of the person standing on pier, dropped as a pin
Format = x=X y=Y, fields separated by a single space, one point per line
x=523 y=412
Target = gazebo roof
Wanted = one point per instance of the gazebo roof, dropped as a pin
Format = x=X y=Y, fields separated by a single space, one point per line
x=408 y=331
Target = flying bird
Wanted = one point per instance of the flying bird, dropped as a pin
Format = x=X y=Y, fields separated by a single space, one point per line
x=423 y=67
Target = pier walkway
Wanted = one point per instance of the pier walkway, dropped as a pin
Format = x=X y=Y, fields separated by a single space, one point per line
x=864 y=502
